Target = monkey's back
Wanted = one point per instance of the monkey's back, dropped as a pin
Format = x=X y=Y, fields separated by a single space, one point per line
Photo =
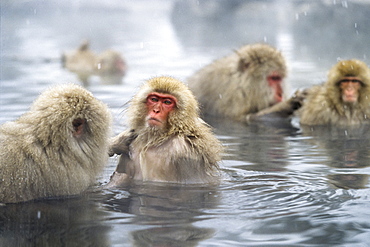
x=236 y=85
x=30 y=171
x=55 y=149
x=220 y=89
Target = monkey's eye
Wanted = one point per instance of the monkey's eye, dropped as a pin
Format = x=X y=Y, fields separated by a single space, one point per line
x=357 y=81
x=154 y=99
x=346 y=81
x=275 y=78
x=167 y=102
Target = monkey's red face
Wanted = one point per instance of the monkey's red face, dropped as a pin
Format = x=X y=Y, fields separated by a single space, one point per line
x=350 y=87
x=275 y=81
x=159 y=106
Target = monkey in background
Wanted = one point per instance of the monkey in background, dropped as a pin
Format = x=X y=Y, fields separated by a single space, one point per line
x=80 y=62
x=166 y=140
x=245 y=82
x=108 y=65
x=343 y=100
x=57 y=148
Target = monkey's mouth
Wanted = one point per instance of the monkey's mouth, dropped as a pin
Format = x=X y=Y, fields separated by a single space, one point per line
x=154 y=121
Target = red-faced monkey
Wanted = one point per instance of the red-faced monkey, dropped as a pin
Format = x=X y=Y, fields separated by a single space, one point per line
x=57 y=148
x=245 y=82
x=166 y=141
x=343 y=100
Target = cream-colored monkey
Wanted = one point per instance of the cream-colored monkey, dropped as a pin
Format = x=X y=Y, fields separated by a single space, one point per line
x=57 y=148
x=166 y=141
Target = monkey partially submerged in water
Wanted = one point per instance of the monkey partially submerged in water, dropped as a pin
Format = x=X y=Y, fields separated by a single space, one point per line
x=109 y=65
x=249 y=80
x=343 y=100
x=55 y=149
x=166 y=140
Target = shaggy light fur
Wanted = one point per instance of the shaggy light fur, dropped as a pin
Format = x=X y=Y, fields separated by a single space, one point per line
x=46 y=153
x=185 y=151
x=236 y=85
x=324 y=105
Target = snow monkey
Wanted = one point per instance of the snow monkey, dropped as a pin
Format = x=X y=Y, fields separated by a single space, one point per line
x=343 y=100
x=55 y=149
x=245 y=82
x=109 y=65
x=81 y=62
x=166 y=140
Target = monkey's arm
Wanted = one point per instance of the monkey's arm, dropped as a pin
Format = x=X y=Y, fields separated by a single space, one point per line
x=117 y=179
x=120 y=143
x=281 y=110
x=122 y=174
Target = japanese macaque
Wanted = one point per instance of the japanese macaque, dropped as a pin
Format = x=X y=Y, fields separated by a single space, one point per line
x=57 y=148
x=166 y=141
x=108 y=65
x=81 y=62
x=249 y=80
x=343 y=100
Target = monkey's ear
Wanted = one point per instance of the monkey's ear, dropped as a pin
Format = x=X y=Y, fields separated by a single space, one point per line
x=78 y=127
x=243 y=65
x=84 y=46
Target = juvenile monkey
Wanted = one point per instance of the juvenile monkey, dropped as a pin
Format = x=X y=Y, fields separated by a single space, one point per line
x=166 y=140
x=57 y=148
x=245 y=82
x=343 y=100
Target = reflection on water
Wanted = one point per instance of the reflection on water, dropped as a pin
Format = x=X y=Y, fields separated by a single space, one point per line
x=69 y=222
x=283 y=185
x=171 y=236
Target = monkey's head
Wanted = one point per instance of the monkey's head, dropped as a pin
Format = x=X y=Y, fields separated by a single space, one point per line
x=80 y=61
x=110 y=62
x=164 y=104
x=348 y=82
x=265 y=67
x=67 y=113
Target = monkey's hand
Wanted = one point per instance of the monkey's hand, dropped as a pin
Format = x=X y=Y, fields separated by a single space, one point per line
x=117 y=148
x=297 y=99
x=120 y=143
x=117 y=179
x=281 y=110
